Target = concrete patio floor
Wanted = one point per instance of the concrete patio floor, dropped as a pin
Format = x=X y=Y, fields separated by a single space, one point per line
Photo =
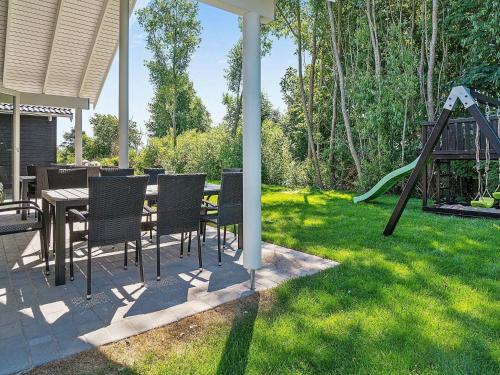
x=40 y=323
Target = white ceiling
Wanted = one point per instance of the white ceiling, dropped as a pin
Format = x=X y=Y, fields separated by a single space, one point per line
x=58 y=47
x=66 y=47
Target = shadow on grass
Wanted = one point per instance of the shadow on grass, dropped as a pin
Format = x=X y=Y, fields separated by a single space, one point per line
x=235 y=354
x=422 y=299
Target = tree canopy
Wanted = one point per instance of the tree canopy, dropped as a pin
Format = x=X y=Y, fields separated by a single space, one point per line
x=172 y=35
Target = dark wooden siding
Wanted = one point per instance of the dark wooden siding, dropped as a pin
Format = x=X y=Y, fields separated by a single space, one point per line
x=38 y=141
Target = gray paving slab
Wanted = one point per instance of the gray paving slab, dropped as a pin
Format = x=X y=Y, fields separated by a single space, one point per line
x=40 y=322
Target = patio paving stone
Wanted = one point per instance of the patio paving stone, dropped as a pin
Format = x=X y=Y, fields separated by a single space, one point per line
x=40 y=322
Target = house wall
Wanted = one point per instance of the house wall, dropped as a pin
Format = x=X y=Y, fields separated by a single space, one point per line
x=38 y=143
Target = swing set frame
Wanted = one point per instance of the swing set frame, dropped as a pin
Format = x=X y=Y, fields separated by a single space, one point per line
x=469 y=98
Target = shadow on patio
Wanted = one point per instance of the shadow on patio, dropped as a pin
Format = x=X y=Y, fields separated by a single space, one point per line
x=40 y=322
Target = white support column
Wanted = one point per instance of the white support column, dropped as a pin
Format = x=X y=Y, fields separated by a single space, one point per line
x=16 y=147
x=123 y=114
x=78 y=137
x=252 y=253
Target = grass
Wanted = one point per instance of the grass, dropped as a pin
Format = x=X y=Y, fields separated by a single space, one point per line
x=424 y=301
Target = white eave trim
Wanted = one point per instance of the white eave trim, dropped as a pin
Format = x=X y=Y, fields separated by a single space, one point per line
x=48 y=100
x=38 y=114
x=265 y=8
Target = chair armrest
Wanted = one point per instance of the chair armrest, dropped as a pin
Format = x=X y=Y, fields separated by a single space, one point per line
x=15 y=209
x=24 y=203
x=77 y=214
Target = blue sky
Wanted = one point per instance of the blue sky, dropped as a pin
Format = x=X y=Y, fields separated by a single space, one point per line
x=220 y=32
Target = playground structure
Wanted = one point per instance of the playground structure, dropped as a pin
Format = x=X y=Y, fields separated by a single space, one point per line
x=461 y=150
x=460 y=140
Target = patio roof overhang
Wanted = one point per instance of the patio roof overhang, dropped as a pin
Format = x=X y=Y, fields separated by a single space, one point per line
x=265 y=8
x=59 y=52
x=61 y=48
x=64 y=48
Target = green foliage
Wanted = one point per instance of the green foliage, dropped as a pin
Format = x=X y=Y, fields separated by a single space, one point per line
x=208 y=152
x=149 y=156
x=385 y=111
x=382 y=108
x=104 y=143
x=190 y=110
x=172 y=35
x=473 y=39
x=278 y=165
x=213 y=150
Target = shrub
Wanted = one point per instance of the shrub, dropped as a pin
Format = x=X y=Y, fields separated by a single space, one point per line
x=218 y=148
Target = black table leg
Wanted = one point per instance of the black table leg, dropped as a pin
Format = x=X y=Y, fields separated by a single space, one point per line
x=24 y=197
x=240 y=236
x=60 y=243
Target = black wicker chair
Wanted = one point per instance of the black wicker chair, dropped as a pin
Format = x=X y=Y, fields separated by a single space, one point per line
x=66 y=178
x=117 y=172
x=227 y=170
x=114 y=216
x=26 y=226
x=42 y=182
x=59 y=178
x=31 y=171
x=4 y=175
x=179 y=200
x=153 y=174
x=153 y=180
x=125 y=172
x=229 y=208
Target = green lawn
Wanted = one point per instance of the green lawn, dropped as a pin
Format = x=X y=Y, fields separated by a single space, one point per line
x=424 y=301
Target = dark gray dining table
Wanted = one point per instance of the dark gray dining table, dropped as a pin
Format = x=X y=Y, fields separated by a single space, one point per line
x=62 y=199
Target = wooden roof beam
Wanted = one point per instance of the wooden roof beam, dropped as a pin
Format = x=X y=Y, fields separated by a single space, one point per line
x=52 y=47
x=91 y=53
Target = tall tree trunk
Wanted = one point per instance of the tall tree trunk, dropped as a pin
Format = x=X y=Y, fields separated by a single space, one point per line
x=343 y=99
x=173 y=117
x=237 y=115
x=312 y=78
x=403 y=136
x=333 y=128
x=423 y=54
x=174 y=110
x=431 y=61
x=370 y=13
x=239 y=101
x=174 y=127
x=444 y=46
x=307 y=114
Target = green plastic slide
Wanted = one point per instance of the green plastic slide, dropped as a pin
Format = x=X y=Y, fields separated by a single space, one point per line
x=386 y=183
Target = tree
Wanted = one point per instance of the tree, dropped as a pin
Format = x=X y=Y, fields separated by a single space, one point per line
x=172 y=35
x=478 y=44
x=66 y=151
x=431 y=61
x=233 y=75
x=190 y=111
x=291 y=15
x=372 y=24
x=104 y=143
x=342 y=89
